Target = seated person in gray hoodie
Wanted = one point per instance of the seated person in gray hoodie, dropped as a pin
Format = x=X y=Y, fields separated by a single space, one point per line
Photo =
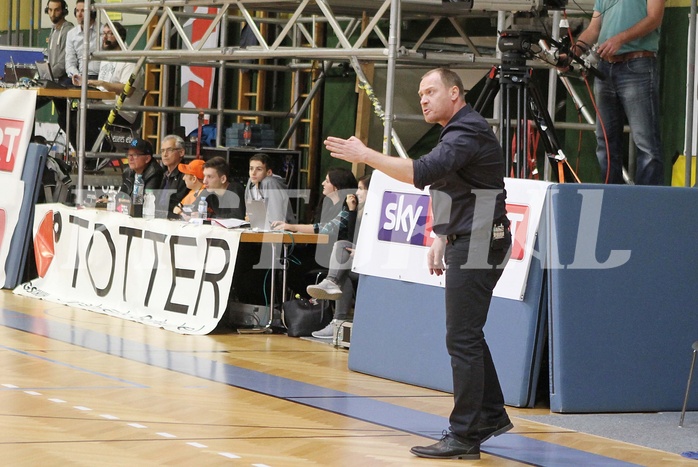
x=264 y=185
x=253 y=261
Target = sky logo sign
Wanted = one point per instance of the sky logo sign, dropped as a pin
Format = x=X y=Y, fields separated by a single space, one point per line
x=405 y=218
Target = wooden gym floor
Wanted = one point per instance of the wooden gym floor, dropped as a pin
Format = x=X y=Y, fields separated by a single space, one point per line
x=83 y=389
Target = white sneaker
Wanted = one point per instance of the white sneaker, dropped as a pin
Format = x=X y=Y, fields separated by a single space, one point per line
x=325 y=333
x=325 y=290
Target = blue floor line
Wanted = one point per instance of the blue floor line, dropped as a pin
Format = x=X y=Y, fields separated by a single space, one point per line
x=509 y=446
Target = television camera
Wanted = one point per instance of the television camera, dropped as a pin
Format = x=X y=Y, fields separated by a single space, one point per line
x=522 y=101
x=517 y=46
x=511 y=5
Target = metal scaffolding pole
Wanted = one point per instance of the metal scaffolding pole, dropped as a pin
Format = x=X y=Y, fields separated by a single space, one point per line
x=18 y=26
x=689 y=94
x=165 y=83
x=220 y=118
x=552 y=88
x=9 y=23
x=336 y=14
x=393 y=41
x=83 y=103
x=32 y=13
x=317 y=85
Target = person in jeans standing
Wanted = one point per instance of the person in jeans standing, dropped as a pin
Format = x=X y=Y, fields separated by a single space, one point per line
x=628 y=36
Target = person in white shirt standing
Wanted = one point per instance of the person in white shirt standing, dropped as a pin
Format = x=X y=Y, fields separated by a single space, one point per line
x=74 y=46
x=75 y=39
x=113 y=77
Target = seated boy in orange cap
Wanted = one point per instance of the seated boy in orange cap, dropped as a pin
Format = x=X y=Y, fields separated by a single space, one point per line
x=194 y=179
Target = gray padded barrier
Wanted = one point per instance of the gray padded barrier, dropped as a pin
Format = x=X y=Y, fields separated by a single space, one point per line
x=620 y=337
x=399 y=333
x=618 y=289
x=20 y=246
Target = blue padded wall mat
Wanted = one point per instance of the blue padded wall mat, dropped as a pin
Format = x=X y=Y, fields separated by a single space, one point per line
x=399 y=333
x=620 y=337
x=20 y=244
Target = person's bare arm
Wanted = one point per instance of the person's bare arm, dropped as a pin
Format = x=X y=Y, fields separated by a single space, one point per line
x=590 y=35
x=116 y=88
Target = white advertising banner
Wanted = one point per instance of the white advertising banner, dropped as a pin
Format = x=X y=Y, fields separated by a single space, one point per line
x=17 y=108
x=10 y=204
x=172 y=275
x=197 y=81
x=396 y=233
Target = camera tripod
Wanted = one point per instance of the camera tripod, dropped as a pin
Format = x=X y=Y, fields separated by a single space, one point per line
x=521 y=99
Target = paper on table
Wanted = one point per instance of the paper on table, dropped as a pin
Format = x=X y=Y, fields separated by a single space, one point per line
x=230 y=223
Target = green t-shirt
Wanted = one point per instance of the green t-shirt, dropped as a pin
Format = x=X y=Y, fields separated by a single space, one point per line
x=619 y=15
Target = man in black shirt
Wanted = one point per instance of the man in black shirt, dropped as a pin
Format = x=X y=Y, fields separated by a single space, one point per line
x=466 y=167
x=223 y=195
x=172 y=187
x=141 y=162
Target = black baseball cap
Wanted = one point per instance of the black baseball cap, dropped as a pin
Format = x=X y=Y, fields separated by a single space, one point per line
x=141 y=145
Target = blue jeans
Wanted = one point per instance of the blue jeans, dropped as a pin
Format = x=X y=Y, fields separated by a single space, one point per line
x=340 y=273
x=630 y=91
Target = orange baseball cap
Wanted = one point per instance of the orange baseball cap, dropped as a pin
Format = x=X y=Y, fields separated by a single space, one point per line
x=195 y=168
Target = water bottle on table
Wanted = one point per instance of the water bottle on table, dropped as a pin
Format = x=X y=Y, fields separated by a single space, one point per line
x=137 y=196
x=247 y=134
x=111 y=199
x=149 y=205
x=202 y=209
x=90 y=197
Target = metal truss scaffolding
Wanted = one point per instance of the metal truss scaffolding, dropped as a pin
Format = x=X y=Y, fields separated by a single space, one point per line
x=365 y=30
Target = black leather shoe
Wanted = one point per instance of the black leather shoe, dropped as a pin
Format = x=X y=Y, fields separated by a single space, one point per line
x=495 y=429
x=448 y=448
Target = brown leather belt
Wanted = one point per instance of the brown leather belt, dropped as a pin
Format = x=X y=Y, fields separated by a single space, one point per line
x=630 y=56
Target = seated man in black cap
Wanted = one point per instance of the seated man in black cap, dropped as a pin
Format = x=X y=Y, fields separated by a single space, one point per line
x=141 y=162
